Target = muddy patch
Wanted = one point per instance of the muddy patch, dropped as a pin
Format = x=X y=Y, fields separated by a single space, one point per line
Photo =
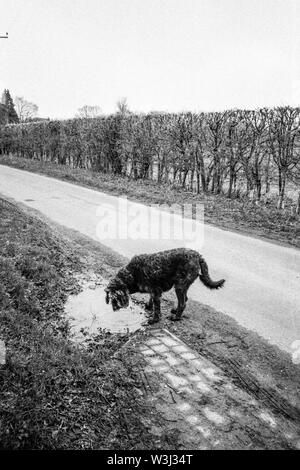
x=88 y=312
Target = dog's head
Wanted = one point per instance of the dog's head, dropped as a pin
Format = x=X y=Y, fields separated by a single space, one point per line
x=118 y=296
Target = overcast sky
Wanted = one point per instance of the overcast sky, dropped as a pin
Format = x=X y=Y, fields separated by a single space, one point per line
x=170 y=55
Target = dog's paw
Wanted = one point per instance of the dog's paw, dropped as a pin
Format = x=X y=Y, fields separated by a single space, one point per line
x=174 y=317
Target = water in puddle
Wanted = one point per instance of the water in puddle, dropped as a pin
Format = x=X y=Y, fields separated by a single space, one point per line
x=89 y=310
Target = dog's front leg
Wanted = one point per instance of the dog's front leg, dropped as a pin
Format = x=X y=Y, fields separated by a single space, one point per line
x=149 y=304
x=156 y=303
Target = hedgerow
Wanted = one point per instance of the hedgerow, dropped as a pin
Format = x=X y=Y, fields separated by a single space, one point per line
x=233 y=152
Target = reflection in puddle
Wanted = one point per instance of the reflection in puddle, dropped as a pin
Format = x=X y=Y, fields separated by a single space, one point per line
x=89 y=310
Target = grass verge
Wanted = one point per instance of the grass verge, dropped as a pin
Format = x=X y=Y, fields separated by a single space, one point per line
x=242 y=215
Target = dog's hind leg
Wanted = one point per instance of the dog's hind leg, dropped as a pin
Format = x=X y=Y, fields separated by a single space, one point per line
x=182 y=298
x=156 y=303
x=181 y=288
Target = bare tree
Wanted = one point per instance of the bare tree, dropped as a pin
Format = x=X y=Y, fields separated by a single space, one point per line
x=88 y=111
x=254 y=154
x=122 y=107
x=215 y=142
x=199 y=152
x=180 y=138
x=235 y=145
x=284 y=131
x=25 y=109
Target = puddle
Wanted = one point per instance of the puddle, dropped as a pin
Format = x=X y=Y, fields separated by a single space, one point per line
x=89 y=310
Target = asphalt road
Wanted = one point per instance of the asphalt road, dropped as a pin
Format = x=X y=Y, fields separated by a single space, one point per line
x=262 y=279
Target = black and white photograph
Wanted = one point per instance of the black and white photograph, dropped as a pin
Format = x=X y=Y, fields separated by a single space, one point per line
x=149 y=228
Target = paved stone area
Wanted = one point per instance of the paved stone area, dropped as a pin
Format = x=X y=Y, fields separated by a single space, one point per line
x=204 y=406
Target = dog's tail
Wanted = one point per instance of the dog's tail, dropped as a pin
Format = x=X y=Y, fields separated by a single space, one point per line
x=205 y=278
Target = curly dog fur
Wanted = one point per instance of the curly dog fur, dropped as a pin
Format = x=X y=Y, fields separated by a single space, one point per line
x=157 y=273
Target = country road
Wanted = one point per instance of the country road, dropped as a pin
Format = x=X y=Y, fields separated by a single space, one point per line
x=262 y=279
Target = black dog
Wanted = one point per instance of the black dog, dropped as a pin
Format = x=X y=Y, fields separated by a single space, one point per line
x=157 y=273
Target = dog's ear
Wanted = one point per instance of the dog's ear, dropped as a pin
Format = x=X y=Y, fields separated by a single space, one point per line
x=107 y=295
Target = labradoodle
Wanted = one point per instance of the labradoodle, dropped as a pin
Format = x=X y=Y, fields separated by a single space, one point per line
x=157 y=273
